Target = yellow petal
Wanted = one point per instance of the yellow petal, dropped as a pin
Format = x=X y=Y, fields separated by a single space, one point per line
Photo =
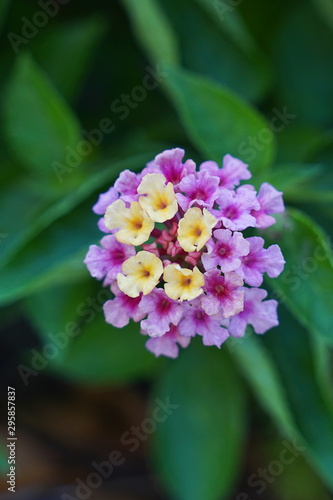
x=133 y=224
x=195 y=229
x=141 y=273
x=182 y=284
x=159 y=200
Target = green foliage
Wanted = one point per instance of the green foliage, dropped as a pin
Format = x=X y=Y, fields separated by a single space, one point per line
x=67 y=53
x=217 y=121
x=227 y=72
x=197 y=449
x=290 y=347
x=306 y=285
x=38 y=124
x=153 y=30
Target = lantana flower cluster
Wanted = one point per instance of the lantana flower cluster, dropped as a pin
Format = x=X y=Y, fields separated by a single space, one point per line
x=175 y=256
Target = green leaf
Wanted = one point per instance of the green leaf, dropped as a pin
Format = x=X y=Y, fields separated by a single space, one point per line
x=325 y=8
x=306 y=285
x=218 y=122
x=55 y=256
x=262 y=374
x=296 y=180
x=214 y=54
x=197 y=450
x=67 y=52
x=28 y=214
x=290 y=347
x=38 y=124
x=101 y=354
x=303 y=32
x=322 y=355
x=3 y=11
x=52 y=309
x=153 y=30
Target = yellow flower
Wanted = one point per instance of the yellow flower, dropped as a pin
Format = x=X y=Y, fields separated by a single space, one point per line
x=142 y=273
x=134 y=225
x=195 y=229
x=160 y=201
x=182 y=284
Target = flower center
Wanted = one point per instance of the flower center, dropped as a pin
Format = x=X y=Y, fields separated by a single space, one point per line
x=222 y=250
x=231 y=213
x=219 y=290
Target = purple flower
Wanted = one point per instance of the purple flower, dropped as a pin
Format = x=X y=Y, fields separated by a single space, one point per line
x=170 y=164
x=122 y=308
x=226 y=252
x=235 y=208
x=106 y=262
x=223 y=293
x=261 y=315
x=196 y=320
x=167 y=345
x=231 y=173
x=161 y=310
x=271 y=202
x=104 y=200
x=260 y=260
x=200 y=189
x=127 y=185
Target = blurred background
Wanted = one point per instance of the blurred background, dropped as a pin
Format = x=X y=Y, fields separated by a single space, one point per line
x=89 y=89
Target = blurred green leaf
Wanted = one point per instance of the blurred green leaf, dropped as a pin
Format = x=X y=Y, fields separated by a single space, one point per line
x=3 y=11
x=306 y=285
x=196 y=451
x=296 y=180
x=323 y=356
x=325 y=8
x=214 y=54
x=38 y=124
x=55 y=256
x=67 y=52
x=264 y=380
x=268 y=387
x=289 y=346
x=303 y=47
x=218 y=122
x=153 y=30
x=52 y=309
x=101 y=354
x=29 y=214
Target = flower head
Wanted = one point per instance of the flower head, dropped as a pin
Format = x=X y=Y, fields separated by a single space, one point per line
x=194 y=273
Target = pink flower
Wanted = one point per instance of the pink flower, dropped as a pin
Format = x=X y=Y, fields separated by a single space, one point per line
x=223 y=293
x=261 y=315
x=200 y=189
x=226 y=252
x=122 y=308
x=127 y=185
x=169 y=163
x=271 y=202
x=232 y=172
x=196 y=320
x=235 y=208
x=106 y=262
x=260 y=260
x=167 y=344
x=104 y=200
x=162 y=312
